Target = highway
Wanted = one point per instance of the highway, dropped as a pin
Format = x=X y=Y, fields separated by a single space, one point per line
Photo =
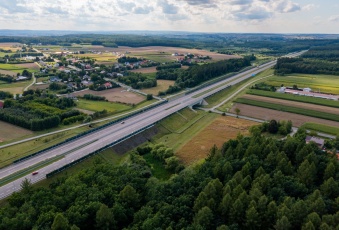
x=87 y=144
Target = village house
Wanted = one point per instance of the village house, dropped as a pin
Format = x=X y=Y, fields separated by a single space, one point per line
x=1 y=105
x=108 y=85
x=319 y=141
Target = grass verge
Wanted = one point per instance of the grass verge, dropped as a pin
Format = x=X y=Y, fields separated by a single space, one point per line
x=321 y=128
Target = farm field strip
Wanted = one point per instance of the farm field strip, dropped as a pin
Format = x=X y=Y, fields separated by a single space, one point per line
x=321 y=128
x=302 y=105
x=306 y=112
x=269 y=114
x=291 y=97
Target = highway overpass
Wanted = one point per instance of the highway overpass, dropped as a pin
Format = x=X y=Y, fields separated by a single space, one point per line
x=87 y=144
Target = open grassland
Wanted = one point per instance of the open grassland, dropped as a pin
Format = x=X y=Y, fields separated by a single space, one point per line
x=321 y=128
x=162 y=85
x=284 y=108
x=269 y=114
x=111 y=107
x=185 y=129
x=18 y=68
x=16 y=87
x=322 y=83
x=216 y=133
x=301 y=105
x=291 y=97
x=115 y=95
x=145 y=70
x=9 y=132
x=30 y=66
x=102 y=57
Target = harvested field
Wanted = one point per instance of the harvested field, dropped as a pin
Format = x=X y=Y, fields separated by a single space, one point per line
x=39 y=86
x=32 y=66
x=8 y=72
x=10 y=132
x=217 y=133
x=145 y=70
x=164 y=50
x=115 y=95
x=269 y=114
x=162 y=85
x=293 y=104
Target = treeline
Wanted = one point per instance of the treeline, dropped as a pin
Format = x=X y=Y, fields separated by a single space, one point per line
x=4 y=95
x=169 y=66
x=304 y=65
x=94 y=97
x=6 y=78
x=138 y=81
x=128 y=59
x=250 y=183
x=38 y=111
x=329 y=53
x=197 y=74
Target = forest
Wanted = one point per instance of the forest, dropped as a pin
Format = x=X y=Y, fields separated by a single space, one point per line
x=138 y=81
x=254 y=182
x=317 y=60
x=37 y=110
x=197 y=74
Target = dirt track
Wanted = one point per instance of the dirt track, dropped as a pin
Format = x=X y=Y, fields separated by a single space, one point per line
x=269 y=114
x=322 y=108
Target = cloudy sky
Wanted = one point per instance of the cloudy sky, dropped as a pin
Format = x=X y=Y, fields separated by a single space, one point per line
x=278 y=16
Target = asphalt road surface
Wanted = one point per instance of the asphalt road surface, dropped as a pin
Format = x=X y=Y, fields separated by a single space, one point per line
x=96 y=140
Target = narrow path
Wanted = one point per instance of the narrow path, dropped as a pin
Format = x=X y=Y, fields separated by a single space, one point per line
x=34 y=81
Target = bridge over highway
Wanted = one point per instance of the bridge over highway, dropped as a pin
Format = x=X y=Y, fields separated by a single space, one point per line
x=83 y=146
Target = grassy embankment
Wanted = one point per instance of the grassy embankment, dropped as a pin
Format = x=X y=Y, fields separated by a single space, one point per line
x=306 y=112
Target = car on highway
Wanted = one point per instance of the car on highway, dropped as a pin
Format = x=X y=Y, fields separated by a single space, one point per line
x=34 y=173
x=122 y=122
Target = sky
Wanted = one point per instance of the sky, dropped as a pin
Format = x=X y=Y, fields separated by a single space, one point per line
x=225 y=16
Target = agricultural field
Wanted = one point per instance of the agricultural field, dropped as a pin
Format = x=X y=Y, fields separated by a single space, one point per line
x=321 y=128
x=103 y=58
x=291 y=97
x=322 y=83
x=13 y=46
x=294 y=104
x=115 y=95
x=291 y=109
x=162 y=85
x=14 y=88
x=18 y=68
x=269 y=114
x=97 y=106
x=165 y=53
x=145 y=70
x=217 y=133
x=11 y=132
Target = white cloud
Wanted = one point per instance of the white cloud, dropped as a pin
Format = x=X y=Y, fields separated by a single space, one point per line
x=334 y=18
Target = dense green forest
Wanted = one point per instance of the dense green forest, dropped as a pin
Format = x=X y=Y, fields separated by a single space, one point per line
x=250 y=183
x=138 y=81
x=197 y=74
x=317 y=60
x=38 y=110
